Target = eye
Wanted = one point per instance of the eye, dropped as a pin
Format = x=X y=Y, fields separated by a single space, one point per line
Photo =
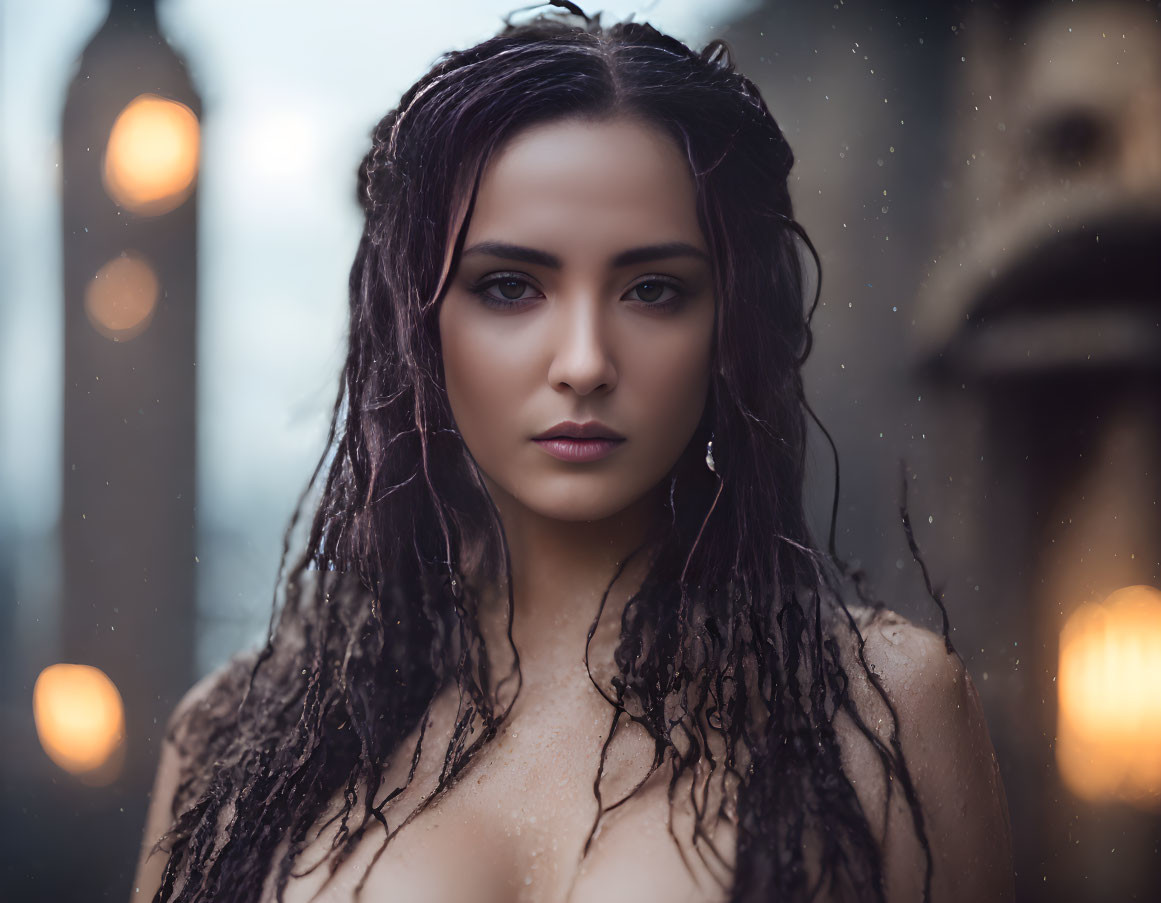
x=651 y=292
x=510 y=286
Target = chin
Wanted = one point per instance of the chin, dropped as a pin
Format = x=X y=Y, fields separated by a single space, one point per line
x=588 y=511
x=579 y=504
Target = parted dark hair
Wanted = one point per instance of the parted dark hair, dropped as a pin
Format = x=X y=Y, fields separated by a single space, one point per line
x=732 y=631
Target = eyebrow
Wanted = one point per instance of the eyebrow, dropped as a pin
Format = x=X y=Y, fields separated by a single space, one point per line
x=630 y=257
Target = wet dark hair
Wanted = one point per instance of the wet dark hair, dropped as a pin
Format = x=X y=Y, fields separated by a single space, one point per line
x=735 y=627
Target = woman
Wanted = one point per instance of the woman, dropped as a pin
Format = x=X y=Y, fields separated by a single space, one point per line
x=559 y=630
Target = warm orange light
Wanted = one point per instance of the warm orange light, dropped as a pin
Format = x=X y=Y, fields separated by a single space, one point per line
x=79 y=717
x=121 y=298
x=1108 y=743
x=151 y=160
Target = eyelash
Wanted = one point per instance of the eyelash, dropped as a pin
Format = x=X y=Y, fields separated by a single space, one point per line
x=479 y=289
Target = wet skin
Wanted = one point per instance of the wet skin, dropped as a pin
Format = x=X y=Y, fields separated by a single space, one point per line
x=588 y=337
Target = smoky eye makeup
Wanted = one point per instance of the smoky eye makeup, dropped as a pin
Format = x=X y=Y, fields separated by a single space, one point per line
x=654 y=292
x=487 y=289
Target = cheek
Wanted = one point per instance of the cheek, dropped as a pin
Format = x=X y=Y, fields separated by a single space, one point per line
x=481 y=383
x=674 y=380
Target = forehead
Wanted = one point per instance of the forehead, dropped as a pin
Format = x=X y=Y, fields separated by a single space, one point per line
x=573 y=181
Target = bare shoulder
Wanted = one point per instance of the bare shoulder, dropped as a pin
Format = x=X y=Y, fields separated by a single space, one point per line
x=918 y=694
x=174 y=756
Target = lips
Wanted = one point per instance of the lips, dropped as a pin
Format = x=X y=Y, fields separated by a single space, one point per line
x=570 y=429
x=579 y=450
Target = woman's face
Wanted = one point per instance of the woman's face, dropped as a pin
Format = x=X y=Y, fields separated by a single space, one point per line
x=583 y=293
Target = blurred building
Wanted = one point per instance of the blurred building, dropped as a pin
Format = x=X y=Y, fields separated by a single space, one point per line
x=124 y=616
x=983 y=181
x=1041 y=327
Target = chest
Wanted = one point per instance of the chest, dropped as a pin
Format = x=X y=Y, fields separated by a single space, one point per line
x=513 y=828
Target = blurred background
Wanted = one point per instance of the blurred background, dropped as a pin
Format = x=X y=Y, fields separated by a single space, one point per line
x=177 y=218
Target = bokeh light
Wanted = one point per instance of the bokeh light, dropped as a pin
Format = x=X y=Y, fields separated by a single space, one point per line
x=151 y=160
x=121 y=298
x=79 y=717
x=1109 y=733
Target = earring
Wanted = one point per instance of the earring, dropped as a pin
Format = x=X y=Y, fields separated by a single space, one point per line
x=709 y=454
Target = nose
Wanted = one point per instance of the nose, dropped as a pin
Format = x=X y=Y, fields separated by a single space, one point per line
x=582 y=352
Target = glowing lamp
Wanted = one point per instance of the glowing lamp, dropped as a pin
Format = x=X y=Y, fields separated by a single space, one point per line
x=1108 y=744
x=121 y=297
x=79 y=717
x=151 y=159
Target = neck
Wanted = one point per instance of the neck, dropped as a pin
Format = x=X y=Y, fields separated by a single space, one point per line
x=560 y=571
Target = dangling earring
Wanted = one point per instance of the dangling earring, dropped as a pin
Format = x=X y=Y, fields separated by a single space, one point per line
x=709 y=454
